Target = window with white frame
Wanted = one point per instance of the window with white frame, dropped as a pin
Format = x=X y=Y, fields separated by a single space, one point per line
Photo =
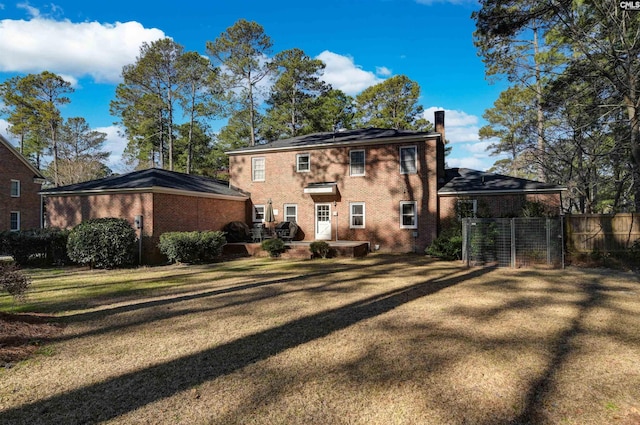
x=291 y=212
x=14 y=221
x=357 y=215
x=467 y=208
x=15 y=188
x=257 y=169
x=408 y=160
x=357 y=161
x=408 y=215
x=303 y=163
x=258 y=213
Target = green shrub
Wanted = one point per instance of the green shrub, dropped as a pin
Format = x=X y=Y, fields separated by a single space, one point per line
x=102 y=243
x=192 y=247
x=275 y=246
x=13 y=281
x=447 y=246
x=319 y=249
x=36 y=246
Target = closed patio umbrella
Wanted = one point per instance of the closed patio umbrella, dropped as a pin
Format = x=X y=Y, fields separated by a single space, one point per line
x=269 y=216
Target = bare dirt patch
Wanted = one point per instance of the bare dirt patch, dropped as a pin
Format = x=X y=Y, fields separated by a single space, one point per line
x=21 y=335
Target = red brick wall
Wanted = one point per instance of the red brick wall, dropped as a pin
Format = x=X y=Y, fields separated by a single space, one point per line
x=28 y=204
x=381 y=189
x=498 y=205
x=161 y=213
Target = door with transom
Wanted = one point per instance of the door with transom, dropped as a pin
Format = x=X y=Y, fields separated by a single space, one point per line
x=323 y=222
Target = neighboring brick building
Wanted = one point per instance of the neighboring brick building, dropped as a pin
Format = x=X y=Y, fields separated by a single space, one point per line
x=166 y=200
x=473 y=193
x=388 y=187
x=20 y=206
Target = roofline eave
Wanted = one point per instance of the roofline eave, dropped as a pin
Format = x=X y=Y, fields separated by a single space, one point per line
x=502 y=191
x=403 y=139
x=152 y=189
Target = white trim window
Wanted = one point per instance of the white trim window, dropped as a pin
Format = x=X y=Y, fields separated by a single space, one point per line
x=14 y=221
x=291 y=212
x=408 y=160
x=15 y=188
x=303 y=163
x=408 y=215
x=258 y=213
x=258 y=169
x=357 y=215
x=357 y=162
x=467 y=208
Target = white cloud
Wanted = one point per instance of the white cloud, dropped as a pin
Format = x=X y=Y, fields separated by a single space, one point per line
x=75 y=49
x=343 y=74
x=383 y=70
x=459 y=126
x=476 y=148
x=115 y=144
x=469 y=162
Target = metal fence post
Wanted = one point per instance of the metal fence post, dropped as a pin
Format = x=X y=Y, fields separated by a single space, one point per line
x=548 y=241
x=513 y=243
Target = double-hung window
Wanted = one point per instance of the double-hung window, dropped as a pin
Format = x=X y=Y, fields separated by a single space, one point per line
x=15 y=188
x=291 y=212
x=303 y=163
x=408 y=215
x=356 y=162
x=467 y=208
x=356 y=215
x=14 y=221
x=257 y=169
x=408 y=159
x=258 y=213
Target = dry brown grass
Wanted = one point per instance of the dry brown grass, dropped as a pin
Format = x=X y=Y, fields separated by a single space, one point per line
x=380 y=340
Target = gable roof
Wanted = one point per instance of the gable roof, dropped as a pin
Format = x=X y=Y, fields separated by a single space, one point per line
x=338 y=138
x=464 y=181
x=36 y=173
x=152 y=180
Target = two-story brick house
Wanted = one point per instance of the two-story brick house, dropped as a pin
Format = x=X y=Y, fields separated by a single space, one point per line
x=20 y=205
x=375 y=185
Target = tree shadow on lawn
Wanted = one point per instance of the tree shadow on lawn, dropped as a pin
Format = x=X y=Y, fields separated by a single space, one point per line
x=117 y=396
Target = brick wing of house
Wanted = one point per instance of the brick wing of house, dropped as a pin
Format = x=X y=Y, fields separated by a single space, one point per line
x=376 y=185
x=20 y=205
x=156 y=200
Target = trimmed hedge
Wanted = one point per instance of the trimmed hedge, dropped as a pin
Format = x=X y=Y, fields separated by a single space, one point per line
x=103 y=243
x=36 y=246
x=320 y=249
x=274 y=247
x=192 y=247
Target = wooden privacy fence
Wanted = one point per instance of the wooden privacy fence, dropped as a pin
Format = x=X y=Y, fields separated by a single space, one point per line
x=599 y=232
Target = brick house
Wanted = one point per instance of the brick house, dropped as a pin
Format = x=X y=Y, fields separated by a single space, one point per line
x=167 y=201
x=20 y=205
x=387 y=187
x=375 y=185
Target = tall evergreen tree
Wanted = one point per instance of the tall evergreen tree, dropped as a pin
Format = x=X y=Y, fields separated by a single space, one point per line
x=391 y=104
x=81 y=154
x=293 y=94
x=242 y=53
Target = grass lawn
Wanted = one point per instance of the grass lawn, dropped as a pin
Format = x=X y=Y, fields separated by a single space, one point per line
x=379 y=340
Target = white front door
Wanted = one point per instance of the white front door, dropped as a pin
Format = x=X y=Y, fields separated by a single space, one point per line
x=323 y=222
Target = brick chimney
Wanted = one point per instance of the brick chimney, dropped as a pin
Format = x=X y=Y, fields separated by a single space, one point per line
x=439 y=128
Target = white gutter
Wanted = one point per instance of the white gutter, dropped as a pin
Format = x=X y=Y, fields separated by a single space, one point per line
x=153 y=189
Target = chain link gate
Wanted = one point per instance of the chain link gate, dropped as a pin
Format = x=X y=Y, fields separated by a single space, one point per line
x=513 y=242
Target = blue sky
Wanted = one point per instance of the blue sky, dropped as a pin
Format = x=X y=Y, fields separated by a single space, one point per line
x=362 y=43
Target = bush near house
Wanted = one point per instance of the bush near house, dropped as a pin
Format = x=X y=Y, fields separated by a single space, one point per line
x=36 y=246
x=103 y=243
x=448 y=245
x=13 y=281
x=192 y=247
x=275 y=246
x=319 y=249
